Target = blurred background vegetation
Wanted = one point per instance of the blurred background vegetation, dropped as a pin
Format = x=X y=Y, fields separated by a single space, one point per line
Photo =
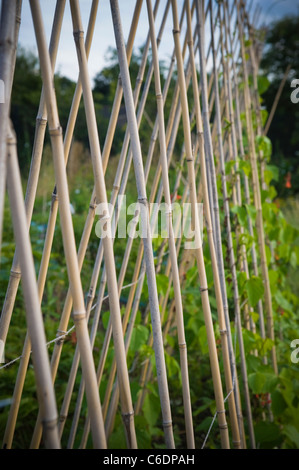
x=281 y=227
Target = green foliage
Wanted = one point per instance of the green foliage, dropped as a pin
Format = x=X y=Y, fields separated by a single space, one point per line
x=255 y=290
x=282 y=249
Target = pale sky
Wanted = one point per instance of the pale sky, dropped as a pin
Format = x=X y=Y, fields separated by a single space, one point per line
x=104 y=35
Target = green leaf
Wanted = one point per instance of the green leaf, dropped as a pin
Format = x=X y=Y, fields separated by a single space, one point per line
x=273 y=278
x=139 y=337
x=255 y=316
x=241 y=213
x=266 y=432
x=173 y=368
x=245 y=166
x=293 y=259
x=278 y=403
x=292 y=433
x=255 y=290
x=251 y=210
x=151 y=409
x=246 y=239
x=162 y=283
x=262 y=382
x=170 y=341
x=105 y=319
x=283 y=302
x=229 y=166
x=274 y=171
x=203 y=339
x=263 y=84
x=253 y=363
x=264 y=145
x=264 y=116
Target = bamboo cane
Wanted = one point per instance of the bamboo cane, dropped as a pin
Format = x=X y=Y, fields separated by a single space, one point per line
x=231 y=150
x=231 y=250
x=245 y=178
x=147 y=368
x=45 y=389
x=137 y=159
x=256 y=102
x=30 y=194
x=41 y=121
x=173 y=123
x=7 y=52
x=257 y=199
x=128 y=248
x=171 y=241
x=221 y=318
x=146 y=371
x=199 y=254
x=116 y=187
x=100 y=189
x=107 y=146
x=211 y=167
x=79 y=314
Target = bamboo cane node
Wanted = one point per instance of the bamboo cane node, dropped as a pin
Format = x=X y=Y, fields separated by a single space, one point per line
x=167 y=424
x=143 y=200
x=61 y=332
x=176 y=31
x=79 y=316
x=223 y=426
x=203 y=289
x=56 y=132
x=93 y=206
x=61 y=336
x=90 y=294
x=11 y=137
x=49 y=424
x=16 y=274
x=182 y=346
x=223 y=332
x=79 y=34
x=139 y=80
x=7 y=42
x=221 y=412
x=127 y=417
x=62 y=418
x=41 y=121
x=236 y=443
x=159 y=96
x=54 y=195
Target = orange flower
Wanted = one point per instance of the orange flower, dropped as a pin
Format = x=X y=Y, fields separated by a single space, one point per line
x=288 y=180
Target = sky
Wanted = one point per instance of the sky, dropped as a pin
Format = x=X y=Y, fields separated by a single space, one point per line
x=66 y=63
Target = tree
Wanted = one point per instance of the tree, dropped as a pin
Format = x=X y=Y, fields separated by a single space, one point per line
x=282 y=49
x=25 y=100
